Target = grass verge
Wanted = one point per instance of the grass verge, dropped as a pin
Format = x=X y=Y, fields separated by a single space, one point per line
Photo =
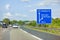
x=54 y=32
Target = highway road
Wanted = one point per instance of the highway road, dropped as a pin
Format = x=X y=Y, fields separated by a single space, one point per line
x=23 y=33
x=6 y=33
x=42 y=35
x=17 y=34
x=0 y=33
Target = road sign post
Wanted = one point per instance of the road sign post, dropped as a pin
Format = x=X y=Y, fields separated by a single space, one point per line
x=44 y=16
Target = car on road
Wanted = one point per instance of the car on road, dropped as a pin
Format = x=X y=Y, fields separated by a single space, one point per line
x=15 y=26
x=4 y=25
x=10 y=25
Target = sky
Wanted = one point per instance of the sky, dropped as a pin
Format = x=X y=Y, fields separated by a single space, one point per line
x=26 y=9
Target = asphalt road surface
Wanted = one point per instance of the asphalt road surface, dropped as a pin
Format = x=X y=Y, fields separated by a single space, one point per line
x=6 y=33
x=0 y=33
x=16 y=34
x=42 y=35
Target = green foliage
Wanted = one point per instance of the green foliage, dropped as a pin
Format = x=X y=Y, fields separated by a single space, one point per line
x=32 y=23
x=14 y=22
x=55 y=23
x=39 y=25
x=21 y=22
x=7 y=21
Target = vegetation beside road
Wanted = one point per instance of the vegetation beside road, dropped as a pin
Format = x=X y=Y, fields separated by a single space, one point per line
x=53 y=28
x=47 y=30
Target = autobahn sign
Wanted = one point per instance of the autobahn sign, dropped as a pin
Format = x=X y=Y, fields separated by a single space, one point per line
x=44 y=16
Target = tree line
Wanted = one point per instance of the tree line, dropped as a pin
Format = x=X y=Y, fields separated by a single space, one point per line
x=55 y=23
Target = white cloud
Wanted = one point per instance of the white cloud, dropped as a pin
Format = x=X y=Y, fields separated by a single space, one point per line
x=44 y=2
x=16 y=14
x=28 y=6
x=25 y=16
x=48 y=2
x=7 y=6
x=56 y=13
x=25 y=0
x=33 y=10
x=20 y=15
x=7 y=15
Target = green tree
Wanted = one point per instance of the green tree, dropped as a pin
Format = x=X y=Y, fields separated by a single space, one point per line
x=14 y=22
x=32 y=23
x=6 y=20
x=21 y=22
x=55 y=23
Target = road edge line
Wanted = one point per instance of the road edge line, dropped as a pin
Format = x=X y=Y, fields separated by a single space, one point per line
x=31 y=35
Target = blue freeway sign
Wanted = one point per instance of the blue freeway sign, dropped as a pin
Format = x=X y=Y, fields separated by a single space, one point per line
x=44 y=16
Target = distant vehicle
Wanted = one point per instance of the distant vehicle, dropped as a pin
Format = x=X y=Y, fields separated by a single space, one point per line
x=15 y=26
x=10 y=25
x=4 y=25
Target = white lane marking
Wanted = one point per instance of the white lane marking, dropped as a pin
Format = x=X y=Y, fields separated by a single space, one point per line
x=31 y=35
